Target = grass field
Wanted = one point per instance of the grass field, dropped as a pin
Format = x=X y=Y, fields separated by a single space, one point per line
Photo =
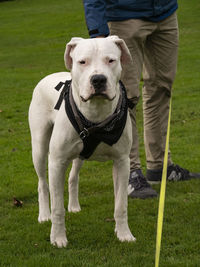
x=33 y=35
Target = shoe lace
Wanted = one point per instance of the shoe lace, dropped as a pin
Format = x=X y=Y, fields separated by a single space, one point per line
x=137 y=180
x=181 y=173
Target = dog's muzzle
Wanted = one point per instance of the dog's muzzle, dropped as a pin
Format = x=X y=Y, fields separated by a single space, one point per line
x=98 y=82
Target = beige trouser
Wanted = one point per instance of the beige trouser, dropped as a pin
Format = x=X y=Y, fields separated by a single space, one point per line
x=154 y=49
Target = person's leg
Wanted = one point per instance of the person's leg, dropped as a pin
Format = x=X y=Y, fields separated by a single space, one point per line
x=130 y=31
x=160 y=62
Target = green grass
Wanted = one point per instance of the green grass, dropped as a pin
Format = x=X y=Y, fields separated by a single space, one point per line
x=33 y=35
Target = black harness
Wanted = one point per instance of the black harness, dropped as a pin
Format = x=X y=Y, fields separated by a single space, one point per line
x=92 y=134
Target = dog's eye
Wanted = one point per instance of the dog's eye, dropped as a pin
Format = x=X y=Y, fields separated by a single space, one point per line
x=82 y=62
x=111 y=61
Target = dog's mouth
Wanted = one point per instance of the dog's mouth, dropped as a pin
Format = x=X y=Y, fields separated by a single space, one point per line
x=98 y=96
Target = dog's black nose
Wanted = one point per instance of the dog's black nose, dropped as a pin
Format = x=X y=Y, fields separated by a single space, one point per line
x=98 y=81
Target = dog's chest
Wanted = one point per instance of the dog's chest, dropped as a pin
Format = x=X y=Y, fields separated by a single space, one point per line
x=104 y=152
x=95 y=135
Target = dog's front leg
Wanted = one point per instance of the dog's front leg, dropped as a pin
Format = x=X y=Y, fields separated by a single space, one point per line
x=56 y=181
x=121 y=170
x=73 y=205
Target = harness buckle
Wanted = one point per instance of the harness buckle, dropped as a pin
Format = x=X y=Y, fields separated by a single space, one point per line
x=85 y=133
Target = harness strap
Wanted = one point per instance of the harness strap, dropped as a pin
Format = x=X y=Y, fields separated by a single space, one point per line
x=62 y=94
x=92 y=134
x=74 y=109
x=130 y=104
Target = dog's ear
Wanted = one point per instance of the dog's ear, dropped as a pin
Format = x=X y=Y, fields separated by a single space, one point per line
x=125 y=54
x=69 y=48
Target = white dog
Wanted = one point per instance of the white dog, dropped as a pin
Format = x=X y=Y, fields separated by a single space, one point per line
x=94 y=96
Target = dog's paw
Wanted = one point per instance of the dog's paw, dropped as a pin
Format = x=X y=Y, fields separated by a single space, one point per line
x=60 y=242
x=74 y=209
x=58 y=235
x=44 y=217
x=124 y=235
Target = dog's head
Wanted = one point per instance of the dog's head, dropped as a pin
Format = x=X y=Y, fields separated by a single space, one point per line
x=96 y=65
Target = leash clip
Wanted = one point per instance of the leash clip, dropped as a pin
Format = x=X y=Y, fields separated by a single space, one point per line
x=85 y=133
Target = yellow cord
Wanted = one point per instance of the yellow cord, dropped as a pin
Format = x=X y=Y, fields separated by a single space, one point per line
x=162 y=195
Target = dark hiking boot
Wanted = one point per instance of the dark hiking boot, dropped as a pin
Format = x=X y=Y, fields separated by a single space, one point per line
x=139 y=187
x=174 y=173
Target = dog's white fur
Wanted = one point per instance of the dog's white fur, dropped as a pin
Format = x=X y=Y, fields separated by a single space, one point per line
x=53 y=133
